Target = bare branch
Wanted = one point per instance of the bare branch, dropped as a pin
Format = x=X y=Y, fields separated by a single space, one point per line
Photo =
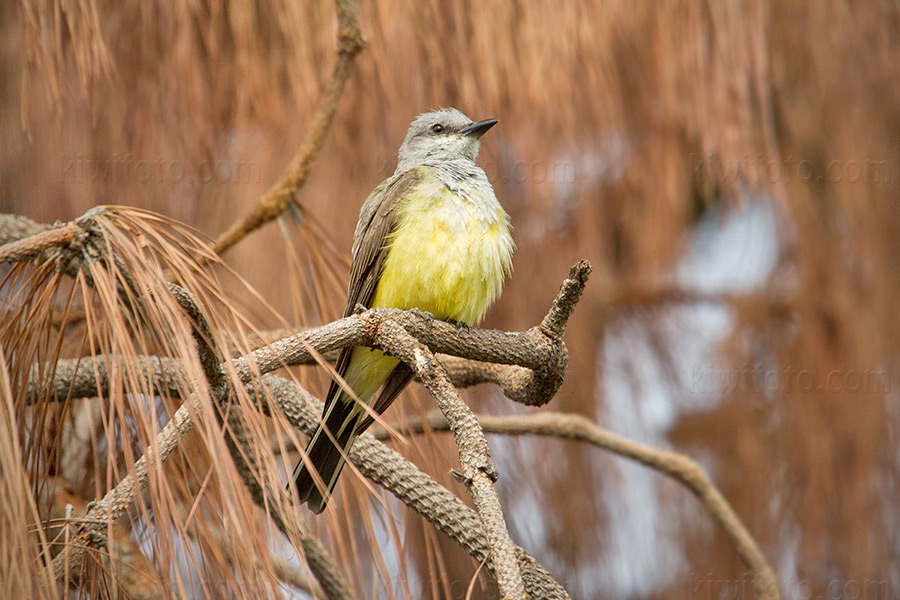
x=403 y=479
x=374 y=460
x=679 y=467
x=117 y=500
x=319 y=559
x=282 y=194
x=89 y=376
x=554 y=324
x=540 y=349
x=397 y=332
x=529 y=366
x=28 y=247
x=210 y=358
x=478 y=473
x=17 y=227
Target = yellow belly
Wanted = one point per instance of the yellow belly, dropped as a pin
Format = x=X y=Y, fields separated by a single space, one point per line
x=446 y=257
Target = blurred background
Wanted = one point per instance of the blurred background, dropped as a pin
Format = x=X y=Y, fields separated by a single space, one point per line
x=731 y=169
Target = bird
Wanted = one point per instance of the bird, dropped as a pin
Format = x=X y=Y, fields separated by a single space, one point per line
x=431 y=238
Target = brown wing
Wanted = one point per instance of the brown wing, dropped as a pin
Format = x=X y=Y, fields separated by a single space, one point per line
x=377 y=220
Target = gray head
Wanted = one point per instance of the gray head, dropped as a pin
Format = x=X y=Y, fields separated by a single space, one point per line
x=444 y=134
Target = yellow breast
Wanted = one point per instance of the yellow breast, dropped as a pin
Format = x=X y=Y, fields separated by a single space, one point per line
x=449 y=255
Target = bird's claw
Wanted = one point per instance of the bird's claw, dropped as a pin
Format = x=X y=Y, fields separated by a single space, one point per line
x=424 y=314
x=460 y=325
x=98 y=538
x=461 y=477
x=360 y=308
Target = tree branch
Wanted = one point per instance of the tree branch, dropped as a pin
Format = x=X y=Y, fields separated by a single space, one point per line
x=282 y=194
x=677 y=466
x=118 y=499
x=401 y=333
x=478 y=473
x=540 y=349
x=403 y=479
x=17 y=227
x=28 y=247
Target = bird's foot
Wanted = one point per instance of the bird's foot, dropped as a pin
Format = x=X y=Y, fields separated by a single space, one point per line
x=360 y=308
x=98 y=538
x=425 y=315
x=460 y=325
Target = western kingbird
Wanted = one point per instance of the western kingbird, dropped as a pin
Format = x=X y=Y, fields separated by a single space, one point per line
x=431 y=237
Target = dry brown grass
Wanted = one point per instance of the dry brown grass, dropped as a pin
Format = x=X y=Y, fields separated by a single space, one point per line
x=82 y=448
x=98 y=92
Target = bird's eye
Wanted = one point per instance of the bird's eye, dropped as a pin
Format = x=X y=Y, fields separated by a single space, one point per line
x=437 y=128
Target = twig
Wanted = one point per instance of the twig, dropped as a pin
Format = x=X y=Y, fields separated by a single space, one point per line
x=27 y=248
x=672 y=464
x=117 y=500
x=278 y=198
x=554 y=324
x=16 y=227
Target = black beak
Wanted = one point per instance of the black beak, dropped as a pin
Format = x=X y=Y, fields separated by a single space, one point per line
x=478 y=128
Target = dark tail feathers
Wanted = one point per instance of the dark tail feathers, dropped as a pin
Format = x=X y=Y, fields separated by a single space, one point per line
x=326 y=457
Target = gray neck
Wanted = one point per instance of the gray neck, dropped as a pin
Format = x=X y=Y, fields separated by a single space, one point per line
x=405 y=163
x=455 y=169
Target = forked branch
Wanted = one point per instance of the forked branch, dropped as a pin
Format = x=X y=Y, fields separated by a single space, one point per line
x=478 y=474
x=399 y=332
